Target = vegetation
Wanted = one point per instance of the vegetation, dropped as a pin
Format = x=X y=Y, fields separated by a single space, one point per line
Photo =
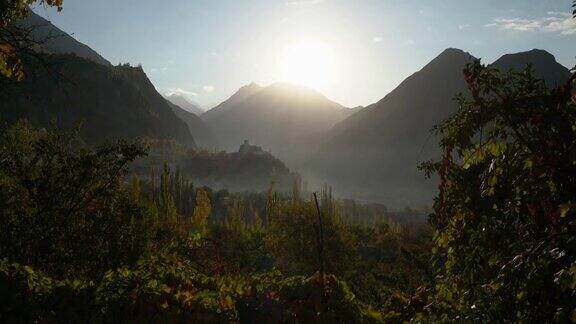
x=13 y=41
x=234 y=171
x=89 y=235
x=505 y=215
x=77 y=228
x=156 y=248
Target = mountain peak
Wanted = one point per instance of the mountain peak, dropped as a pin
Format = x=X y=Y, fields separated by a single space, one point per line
x=288 y=86
x=242 y=94
x=454 y=52
x=252 y=87
x=534 y=56
x=542 y=63
x=450 y=57
x=537 y=51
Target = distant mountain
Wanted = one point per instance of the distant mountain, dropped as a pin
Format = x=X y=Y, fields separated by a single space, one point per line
x=541 y=61
x=202 y=134
x=374 y=153
x=72 y=84
x=54 y=40
x=283 y=118
x=185 y=104
x=239 y=96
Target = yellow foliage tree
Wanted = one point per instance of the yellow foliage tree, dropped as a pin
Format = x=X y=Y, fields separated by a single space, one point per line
x=201 y=211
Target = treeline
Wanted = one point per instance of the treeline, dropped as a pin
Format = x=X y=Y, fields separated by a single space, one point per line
x=233 y=171
x=84 y=240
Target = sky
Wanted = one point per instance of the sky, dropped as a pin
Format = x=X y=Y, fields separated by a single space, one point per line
x=353 y=51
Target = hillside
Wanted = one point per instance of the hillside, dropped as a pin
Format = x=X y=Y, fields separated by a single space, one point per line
x=185 y=104
x=374 y=154
x=110 y=102
x=54 y=40
x=282 y=117
x=544 y=63
x=69 y=83
x=239 y=96
x=252 y=170
x=202 y=134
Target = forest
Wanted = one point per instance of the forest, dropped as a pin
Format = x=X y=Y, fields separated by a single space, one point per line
x=117 y=231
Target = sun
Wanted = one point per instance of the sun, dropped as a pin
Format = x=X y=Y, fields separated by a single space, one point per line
x=308 y=63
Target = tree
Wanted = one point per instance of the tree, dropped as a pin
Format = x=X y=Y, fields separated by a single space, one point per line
x=505 y=213
x=16 y=41
x=201 y=211
x=166 y=206
x=62 y=207
x=293 y=236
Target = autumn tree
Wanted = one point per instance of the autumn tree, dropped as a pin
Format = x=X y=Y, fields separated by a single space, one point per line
x=201 y=211
x=63 y=207
x=166 y=205
x=15 y=41
x=293 y=235
x=505 y=214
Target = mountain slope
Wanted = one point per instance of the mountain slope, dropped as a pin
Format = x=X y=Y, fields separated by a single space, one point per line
x=72 y=84
x=374 y=153
x=110 y=102
x=185 y=104
x=542 y=62
x=202 y=134
x=239 y=96
x=281 y=117
x=54 y=40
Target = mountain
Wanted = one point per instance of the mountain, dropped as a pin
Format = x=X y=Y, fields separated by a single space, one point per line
x=352 y=111
x=67 y=82
x=202 y=134
x=111 y=102
x=54 y=40
x=284 y=118
x=374 y=153
x=230 y=103
x=185 y=104
x=542 y=62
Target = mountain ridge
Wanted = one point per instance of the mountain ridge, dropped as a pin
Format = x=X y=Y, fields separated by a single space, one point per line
x=185 y=104
x=374 y=153
x=55 y=40
x=111 y=102
x=282 y=117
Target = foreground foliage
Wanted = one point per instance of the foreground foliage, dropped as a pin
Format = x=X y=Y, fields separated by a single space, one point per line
x=167 y=288
x=505 y=215
x=63 y=207
x=83 y=242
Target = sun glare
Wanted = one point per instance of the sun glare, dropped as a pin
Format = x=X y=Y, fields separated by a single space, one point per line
x=307 y=63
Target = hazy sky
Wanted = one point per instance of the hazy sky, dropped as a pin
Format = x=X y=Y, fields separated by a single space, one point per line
x=359 y=49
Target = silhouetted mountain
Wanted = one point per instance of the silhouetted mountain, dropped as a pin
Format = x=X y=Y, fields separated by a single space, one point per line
x=111 y=102
x=541 y=61
x=281 y=117
x=185 y=104
x=202 y=134
x=78 y=85
x=354 y=110
x=54 y=40
x=374 y=153
x=230 y=103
